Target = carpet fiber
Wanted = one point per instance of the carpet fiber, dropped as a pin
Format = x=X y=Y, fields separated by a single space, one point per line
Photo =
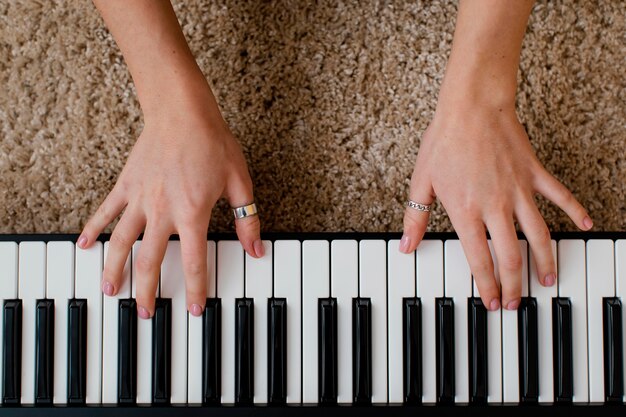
x=329 y=102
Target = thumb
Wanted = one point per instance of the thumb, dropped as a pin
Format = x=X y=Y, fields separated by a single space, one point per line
x=240 y=195
x=416 y=214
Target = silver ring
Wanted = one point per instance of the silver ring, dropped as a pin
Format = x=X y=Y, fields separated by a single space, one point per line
x=245 y=211
x=418 y=206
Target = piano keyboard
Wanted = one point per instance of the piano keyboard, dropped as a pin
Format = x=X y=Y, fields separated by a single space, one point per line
x=321 y=319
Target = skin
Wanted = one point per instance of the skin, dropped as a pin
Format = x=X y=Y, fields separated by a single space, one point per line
x=477 y=160
x=184 y=160
x=475 y=157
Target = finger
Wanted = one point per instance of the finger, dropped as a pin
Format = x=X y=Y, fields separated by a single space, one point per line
x=110 y=208
x=194 y=255
x=553 y=190
x=239 y=191
x=474 y=242
x=148 y=268
x=415 y=221
x=508 y=254
x=124 y=235
x=538 y=236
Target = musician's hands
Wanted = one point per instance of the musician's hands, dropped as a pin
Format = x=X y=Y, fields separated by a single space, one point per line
x=182 y=163
x=477 y=160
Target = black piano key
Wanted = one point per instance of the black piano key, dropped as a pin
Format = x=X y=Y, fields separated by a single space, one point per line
x=12 y=352
x=162 y=351
x=613 y=350
x=127 y=352
x=277 y=351
x=327 y=350
x=528 y=350
x=77 y=352
x=244 y=351
x=563 y=359
x=444 y=322
x=44 y=352
x=412 y=350
x=212 y=352
x=478 y=351
x=362 y=350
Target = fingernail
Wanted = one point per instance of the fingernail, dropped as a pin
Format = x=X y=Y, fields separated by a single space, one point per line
x=107 y=288
x=494 y=304
x=549 y=280
x=404 y=244
x=195 y=310
x=512 y=305
x=143 y=313
x=587 y=223
x=82 y=241
x=258 y=248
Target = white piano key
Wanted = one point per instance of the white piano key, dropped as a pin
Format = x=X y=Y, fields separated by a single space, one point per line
x=620 y=288
x=144 y=342
x=544 y=297
x=8 y=288
x=87 y=286
x=287 y=284
x=194 y=371
x=110 y=330
x=173 y=286
x=344 y=286
x=572 y=284
x=400 y=284
x=373 y=285
x=429 y=285
x=32 y=287
x=230 y=285
x=494 y=344
x=259 y=287
x=510 y=342
x=315 y=285
x=458 y=286
x=600 y=284
x=60 y=288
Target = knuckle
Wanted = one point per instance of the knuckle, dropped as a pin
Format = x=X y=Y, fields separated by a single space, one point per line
x=511 y=262
x=119 y=240
x=195 y=268
x=542 y=234
x=144 y=264
x=482 y=268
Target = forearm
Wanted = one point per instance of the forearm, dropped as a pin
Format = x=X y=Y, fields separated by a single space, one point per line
x=156 y=53
x=485 y=53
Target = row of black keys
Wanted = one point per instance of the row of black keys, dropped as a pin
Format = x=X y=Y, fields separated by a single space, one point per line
x=327 y=351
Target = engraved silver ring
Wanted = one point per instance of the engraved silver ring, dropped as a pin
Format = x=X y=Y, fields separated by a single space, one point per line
x=245 y=211
x=418 y=206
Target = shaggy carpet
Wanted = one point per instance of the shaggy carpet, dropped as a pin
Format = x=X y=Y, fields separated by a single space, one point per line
x=328 y=98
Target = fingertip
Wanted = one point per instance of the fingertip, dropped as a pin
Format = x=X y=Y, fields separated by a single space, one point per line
x=549 y=280
x=587 y=223
x=494 y=304
x=108 y=288
x=143 y=312
x=405 y=244
x=83 y=241
x=196 y=310
x=259 y=249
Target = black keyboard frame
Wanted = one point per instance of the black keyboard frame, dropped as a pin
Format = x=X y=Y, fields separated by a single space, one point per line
x=303 y=410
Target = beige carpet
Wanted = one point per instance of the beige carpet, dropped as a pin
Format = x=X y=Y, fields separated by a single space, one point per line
x=329 y=102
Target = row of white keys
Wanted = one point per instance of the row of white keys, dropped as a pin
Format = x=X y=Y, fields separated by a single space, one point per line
x=400 y=284
x=110 y=333
x=344 y=286
x=373 y=285
x=230 y=286
x=429 y=286
x=544 y=296
x=8 y=287
x=60 y=288
x=572 y=285
x=88 y=278
x=620 y=290
x=287 y=284
x=600 y=284
x=259 y=288
x=31 y=287
x=315 y=285
x=458 y=286
x=194 y=333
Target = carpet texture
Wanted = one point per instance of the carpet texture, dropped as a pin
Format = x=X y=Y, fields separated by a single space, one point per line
x=329 y=102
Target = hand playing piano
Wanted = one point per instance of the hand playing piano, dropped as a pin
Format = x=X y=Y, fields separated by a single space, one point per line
x=476 y=158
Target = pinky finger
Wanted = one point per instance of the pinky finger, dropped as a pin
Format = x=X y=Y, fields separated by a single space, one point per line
x=556 y=192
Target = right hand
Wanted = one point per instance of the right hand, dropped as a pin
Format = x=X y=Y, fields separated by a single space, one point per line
x=185 y=159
